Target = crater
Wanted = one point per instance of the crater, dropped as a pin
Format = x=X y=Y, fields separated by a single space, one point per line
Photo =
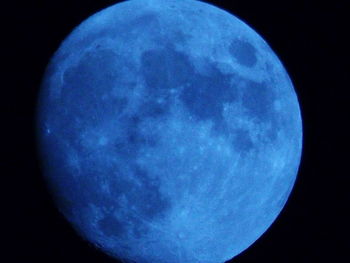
x=258 y=99
x=128 y=145
x=130 y=197
x=243 y=52
x=52 y=69
x=242 y=140
x=147 y=197
x=141 y=21
x=111 y=226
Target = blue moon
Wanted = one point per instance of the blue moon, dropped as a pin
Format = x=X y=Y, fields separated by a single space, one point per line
x=169 y=131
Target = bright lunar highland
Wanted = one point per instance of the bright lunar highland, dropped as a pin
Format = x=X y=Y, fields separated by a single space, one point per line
x=169 y=132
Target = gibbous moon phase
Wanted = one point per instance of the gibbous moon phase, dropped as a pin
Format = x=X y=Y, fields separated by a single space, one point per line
x=169 y=132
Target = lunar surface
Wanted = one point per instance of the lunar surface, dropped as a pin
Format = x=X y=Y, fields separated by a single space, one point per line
x=169 y=132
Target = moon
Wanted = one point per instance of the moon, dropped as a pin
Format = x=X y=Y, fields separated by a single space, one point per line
x=169 y=131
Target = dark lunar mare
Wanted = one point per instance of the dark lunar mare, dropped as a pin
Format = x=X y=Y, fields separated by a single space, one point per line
x=175 y=71
x=76 y=111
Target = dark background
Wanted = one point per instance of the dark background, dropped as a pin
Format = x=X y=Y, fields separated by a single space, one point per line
x=308 y=38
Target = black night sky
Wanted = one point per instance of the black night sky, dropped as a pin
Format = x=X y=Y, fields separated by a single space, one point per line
x=308 y=38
